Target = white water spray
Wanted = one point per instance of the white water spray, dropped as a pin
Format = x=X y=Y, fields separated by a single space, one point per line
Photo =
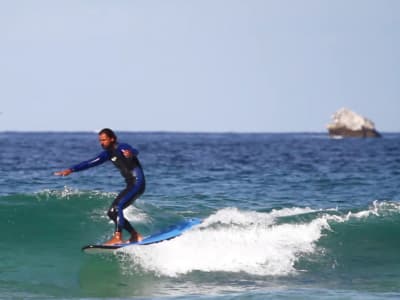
x=233 y=241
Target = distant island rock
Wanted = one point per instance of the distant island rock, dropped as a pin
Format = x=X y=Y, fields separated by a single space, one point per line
x=346 y=123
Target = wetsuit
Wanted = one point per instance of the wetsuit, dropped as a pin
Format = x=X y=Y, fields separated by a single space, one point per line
x=131 y=170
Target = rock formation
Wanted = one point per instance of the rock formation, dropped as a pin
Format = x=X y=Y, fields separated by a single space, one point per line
x=346 y=123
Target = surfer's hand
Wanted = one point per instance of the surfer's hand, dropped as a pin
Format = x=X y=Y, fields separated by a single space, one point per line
x=63 y=172
x=127 y=153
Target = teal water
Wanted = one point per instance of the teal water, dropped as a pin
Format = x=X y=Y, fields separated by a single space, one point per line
x=286 y=216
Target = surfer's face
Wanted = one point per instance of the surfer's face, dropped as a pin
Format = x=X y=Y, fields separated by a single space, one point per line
x=105 y=141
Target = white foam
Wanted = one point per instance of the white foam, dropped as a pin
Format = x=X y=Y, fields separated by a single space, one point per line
x=232 y=215
x=232 y=240
x=135 y=214
x=252 y=243
x=378 y=209
x=385 y=207
x=65 y=193
x=68 y=192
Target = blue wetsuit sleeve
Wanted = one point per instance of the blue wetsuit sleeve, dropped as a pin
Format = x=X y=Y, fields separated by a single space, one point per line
x=99 y=159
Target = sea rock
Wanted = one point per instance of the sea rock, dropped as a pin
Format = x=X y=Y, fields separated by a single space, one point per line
x=346 y=123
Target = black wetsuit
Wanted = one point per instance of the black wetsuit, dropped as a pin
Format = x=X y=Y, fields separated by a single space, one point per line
x=131 y=170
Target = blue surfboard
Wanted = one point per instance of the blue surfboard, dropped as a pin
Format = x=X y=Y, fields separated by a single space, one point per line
x=163 y=235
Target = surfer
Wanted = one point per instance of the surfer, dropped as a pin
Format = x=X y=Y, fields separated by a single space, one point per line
x=124 y=157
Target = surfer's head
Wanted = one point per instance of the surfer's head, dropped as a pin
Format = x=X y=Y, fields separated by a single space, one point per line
x=107 y=138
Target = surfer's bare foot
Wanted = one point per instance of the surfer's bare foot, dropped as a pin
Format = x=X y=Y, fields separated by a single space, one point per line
x=139 y=237
x=135 y=237
x=116 y=239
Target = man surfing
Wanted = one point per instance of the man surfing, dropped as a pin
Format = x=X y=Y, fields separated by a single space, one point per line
x=124 y=157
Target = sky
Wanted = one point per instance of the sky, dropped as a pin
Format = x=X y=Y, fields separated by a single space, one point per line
x=197 y=65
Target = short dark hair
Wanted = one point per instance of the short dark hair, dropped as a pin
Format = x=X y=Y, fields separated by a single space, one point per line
x=108 y=132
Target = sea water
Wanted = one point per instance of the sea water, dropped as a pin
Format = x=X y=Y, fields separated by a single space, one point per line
x=285 y=216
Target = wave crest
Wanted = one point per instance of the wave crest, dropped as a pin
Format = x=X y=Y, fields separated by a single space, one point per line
x=267 y=243
x=234 y=241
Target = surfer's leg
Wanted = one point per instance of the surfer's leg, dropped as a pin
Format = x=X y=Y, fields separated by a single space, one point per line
x=113 y=210
x=113 y=214
x=134 y=192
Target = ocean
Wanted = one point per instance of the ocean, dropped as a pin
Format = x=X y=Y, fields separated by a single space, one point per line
x=285 y=216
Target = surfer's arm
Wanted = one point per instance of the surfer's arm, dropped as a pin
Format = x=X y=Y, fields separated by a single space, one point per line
x=101 y=158
x=128 y=151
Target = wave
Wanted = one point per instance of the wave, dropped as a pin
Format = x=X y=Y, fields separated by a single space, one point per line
x=281 y=242
x=278 y=242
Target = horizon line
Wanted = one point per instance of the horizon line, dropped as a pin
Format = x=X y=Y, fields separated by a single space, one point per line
x=178 y=131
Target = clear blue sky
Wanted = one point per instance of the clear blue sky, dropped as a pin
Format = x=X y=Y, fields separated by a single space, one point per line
x=198 y=65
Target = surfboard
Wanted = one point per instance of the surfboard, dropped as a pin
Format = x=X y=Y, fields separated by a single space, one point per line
x=163 y=235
